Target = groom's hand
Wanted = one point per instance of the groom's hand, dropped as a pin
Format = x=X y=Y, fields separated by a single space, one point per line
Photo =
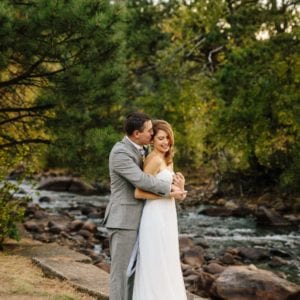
x=177 y=193
x=178 y=186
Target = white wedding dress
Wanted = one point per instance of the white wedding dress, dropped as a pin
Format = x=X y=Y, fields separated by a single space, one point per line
x=158 y=274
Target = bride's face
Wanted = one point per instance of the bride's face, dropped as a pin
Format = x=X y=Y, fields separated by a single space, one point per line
x=161 y=141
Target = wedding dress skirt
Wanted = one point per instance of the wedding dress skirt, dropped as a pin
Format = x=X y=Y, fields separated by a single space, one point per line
x=158 y=274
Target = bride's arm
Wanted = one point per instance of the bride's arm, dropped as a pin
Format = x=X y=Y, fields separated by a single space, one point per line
x=152 y=167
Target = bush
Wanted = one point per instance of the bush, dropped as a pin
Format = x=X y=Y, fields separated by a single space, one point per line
x=11 y=211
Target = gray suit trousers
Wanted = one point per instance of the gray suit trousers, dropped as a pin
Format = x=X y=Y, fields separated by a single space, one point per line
x=121 y=287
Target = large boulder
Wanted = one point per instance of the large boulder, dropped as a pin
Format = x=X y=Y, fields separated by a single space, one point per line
x=66 y=184
x=250 y=283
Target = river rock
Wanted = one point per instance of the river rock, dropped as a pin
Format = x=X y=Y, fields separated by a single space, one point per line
x=244 y=283
x=85 y=233
x=88 y=252
x=205 y=281
x=185 y=267
x=265 y=216
x=279 y=204
x=278 y=261
x=97 y=215
x=56 y=227
x=66 y=184
x=44 y=237
x=194 y=256
x=231 y=205
x=293 y=219
x=79 y=240
x=229 y=259
x=254 y=254
x=265 y=200
x=88 y=209
x=199 y=282
x=221 y=202
x=75 y=225
x=17 y=173
x=90 y=226
x=35 y=212
x=217 y=212
x=201 y=241
x=242 y=212
x=45 y=199
x=40 y=214
x=34 y=226
x=191 y=279
x=214 y=268
x=185 y=243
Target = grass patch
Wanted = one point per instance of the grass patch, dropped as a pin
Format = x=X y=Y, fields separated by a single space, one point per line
x=21 y=279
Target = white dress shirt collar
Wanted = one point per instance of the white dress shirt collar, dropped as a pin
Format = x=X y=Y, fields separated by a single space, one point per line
x=139 y=147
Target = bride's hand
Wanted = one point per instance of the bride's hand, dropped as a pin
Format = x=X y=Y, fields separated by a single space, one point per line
x=179 y=180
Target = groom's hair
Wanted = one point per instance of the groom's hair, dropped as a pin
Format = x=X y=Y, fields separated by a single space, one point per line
x=135 y=121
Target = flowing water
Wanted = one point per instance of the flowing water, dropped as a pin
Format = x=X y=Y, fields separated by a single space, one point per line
x=219 y=233
x=225 y=232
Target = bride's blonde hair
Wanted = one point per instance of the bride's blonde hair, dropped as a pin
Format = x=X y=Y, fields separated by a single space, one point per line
x=167 y=128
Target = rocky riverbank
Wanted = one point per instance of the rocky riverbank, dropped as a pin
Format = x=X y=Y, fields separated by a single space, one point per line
x=232 y=275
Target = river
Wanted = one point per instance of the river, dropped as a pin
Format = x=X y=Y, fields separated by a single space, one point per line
x=218 y=232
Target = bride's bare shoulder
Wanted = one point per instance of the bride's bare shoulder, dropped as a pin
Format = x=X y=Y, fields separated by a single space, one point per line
x=153 y=158
x=153 y=163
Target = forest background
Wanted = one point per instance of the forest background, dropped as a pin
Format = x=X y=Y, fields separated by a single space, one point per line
x=224 y=73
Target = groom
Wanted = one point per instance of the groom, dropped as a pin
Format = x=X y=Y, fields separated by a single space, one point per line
x=123 y=213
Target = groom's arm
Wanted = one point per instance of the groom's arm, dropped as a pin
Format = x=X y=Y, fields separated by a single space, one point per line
x=122 y=162
x=176 y=193
x=152 y=167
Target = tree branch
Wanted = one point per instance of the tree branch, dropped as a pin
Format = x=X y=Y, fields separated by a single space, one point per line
x=47 y=74
x=20 y=118
x=23 y=142
x=11 y=120
x=22 y=76
x=22 y=109
x=212 y=52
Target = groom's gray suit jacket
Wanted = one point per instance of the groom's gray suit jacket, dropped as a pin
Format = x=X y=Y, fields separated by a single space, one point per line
x=125 y=167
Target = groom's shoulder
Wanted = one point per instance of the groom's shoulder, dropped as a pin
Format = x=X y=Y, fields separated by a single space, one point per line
x=120 y=146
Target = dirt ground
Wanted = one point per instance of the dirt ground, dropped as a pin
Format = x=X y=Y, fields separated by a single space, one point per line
x=20 y=279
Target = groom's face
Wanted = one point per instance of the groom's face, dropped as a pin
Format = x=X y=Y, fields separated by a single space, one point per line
x=145 y=136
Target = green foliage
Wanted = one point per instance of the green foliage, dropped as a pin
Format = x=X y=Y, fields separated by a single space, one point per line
x=87 y=98
x=238 y=64
x=225 y=74
x=159 y=81
x=257 y=120
x=90 y=154
x=11 y=211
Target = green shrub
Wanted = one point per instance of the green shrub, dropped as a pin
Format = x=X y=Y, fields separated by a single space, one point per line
x=11 y=211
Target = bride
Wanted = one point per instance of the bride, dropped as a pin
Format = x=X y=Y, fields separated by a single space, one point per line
x=158 y=274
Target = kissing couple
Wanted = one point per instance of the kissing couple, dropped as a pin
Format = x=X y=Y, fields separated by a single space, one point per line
x=141 y=216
